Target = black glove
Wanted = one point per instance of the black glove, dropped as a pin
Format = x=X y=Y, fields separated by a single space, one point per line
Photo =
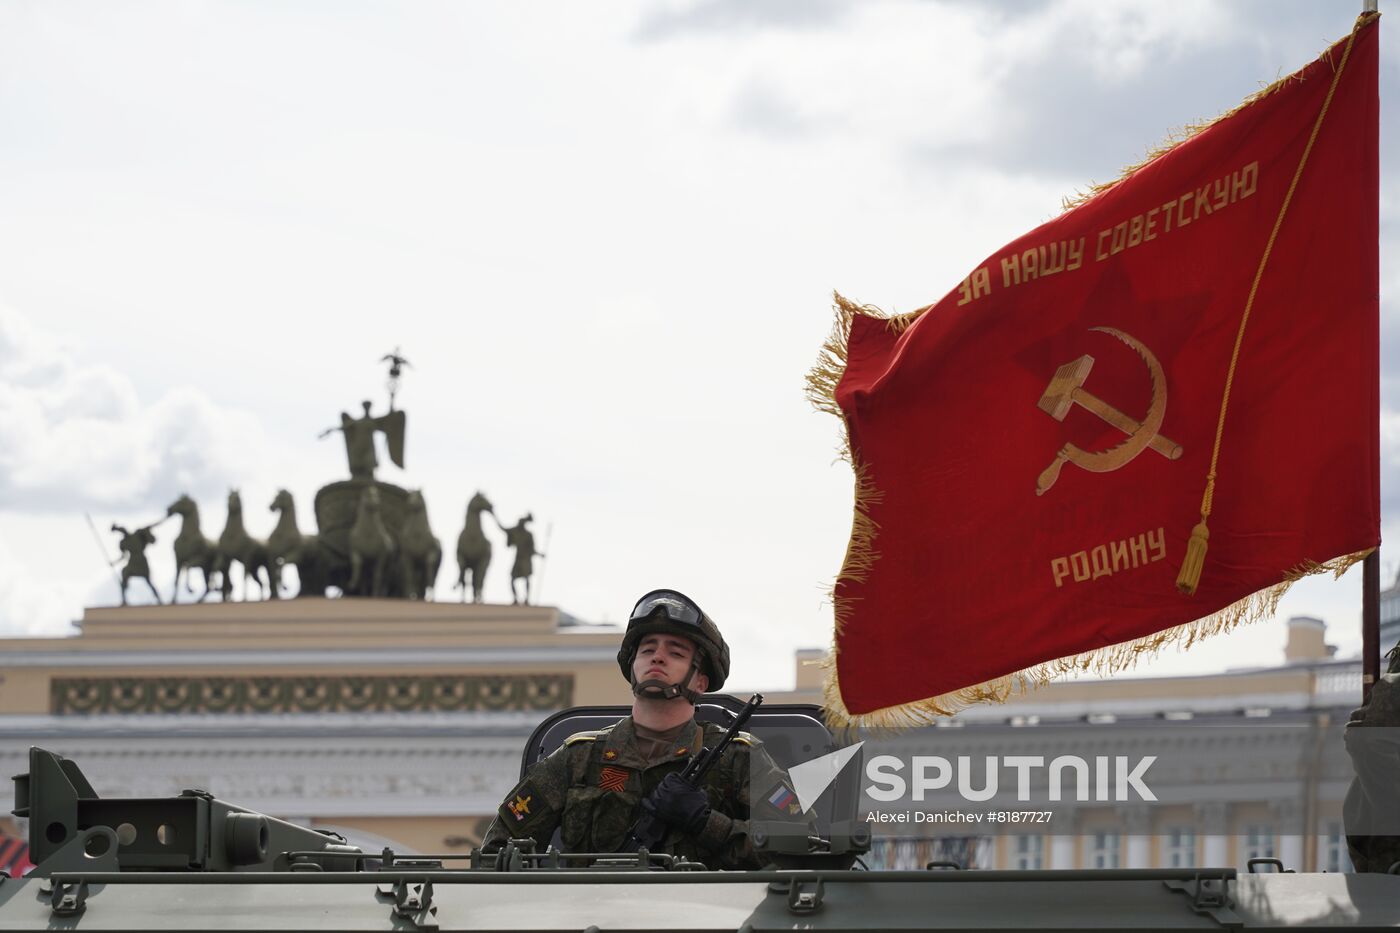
x=678 y=803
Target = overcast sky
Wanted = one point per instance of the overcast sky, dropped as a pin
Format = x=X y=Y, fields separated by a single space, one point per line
x=604 y=234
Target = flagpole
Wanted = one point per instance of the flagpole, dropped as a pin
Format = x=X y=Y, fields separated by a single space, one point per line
x=1370 y=623
x=1370 y=575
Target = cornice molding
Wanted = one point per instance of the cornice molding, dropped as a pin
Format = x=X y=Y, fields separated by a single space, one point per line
x=245 y=658
x=310 y=694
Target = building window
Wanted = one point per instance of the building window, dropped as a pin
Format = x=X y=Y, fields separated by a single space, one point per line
x=1258 y=841
x=1029 y=852
x=890 y=853
x=1104 y=850
x=882 y=854
x=1332 y=846
x=1179 y=848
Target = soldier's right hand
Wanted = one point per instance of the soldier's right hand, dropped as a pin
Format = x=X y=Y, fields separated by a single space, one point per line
x=679 y=803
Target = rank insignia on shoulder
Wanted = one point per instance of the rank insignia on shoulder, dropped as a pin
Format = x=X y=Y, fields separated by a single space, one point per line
x=782 y=797
x=613 y=779
x=610 y=754
x=519 y=807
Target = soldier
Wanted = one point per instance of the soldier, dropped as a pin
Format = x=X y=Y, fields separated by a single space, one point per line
x=133 y=546
x=595 y=786
x=520 y=538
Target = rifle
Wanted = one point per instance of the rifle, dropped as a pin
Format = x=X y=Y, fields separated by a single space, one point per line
x=648 y=831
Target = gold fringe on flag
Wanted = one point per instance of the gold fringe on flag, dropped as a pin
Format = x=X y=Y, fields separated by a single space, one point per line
x=821 y=392
x=831 y=361
x=1111 y=659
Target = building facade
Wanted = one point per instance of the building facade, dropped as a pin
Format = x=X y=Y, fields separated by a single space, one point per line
x=403 y=723
x=392 y=722
x=1390 y=617
x=1260 y=772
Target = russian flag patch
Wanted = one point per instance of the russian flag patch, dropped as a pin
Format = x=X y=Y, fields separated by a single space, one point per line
x=783 y=797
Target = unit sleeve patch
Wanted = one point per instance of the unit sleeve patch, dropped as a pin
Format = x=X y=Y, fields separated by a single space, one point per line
x=520 y=807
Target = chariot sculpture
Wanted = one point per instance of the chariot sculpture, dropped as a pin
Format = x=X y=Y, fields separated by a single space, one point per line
x=372 y=537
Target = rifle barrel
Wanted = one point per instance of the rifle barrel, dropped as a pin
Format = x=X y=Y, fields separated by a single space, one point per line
x=703 y=763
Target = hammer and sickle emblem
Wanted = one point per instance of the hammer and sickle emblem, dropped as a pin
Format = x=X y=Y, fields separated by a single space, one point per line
x=1066 y=389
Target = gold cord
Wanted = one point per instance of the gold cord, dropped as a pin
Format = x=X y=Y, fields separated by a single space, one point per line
x=1190 y=576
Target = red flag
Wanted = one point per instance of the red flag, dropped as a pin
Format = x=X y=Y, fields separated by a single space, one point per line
x=1193 y=349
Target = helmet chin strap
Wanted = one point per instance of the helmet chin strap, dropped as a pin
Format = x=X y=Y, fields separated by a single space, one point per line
x=660 y=690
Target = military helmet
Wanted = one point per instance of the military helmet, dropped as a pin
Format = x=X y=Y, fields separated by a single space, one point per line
x=669 y=612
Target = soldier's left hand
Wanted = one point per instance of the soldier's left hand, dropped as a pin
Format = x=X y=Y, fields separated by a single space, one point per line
x=678 y=803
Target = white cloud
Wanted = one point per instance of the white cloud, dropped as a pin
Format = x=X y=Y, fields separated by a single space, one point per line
x=1120 y=40
x=76 y=436
x=1390 y=440
x=34 y=604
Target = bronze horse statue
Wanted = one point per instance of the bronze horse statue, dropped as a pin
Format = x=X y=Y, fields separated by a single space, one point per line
x=193 y=551
x=369 y=541
x=287 y=545
x=237 y=546
x=420 y=552
x=474 y=548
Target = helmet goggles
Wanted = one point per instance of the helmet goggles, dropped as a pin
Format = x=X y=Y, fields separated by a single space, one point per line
x=668 y=603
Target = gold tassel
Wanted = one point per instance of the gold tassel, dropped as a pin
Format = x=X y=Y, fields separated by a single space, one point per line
x=1190 y=576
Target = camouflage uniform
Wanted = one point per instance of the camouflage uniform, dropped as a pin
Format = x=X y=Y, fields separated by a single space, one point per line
x=1371 y=802
x=592 y=786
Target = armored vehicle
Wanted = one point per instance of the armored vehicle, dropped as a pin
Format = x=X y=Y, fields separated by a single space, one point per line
x=195 y=862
